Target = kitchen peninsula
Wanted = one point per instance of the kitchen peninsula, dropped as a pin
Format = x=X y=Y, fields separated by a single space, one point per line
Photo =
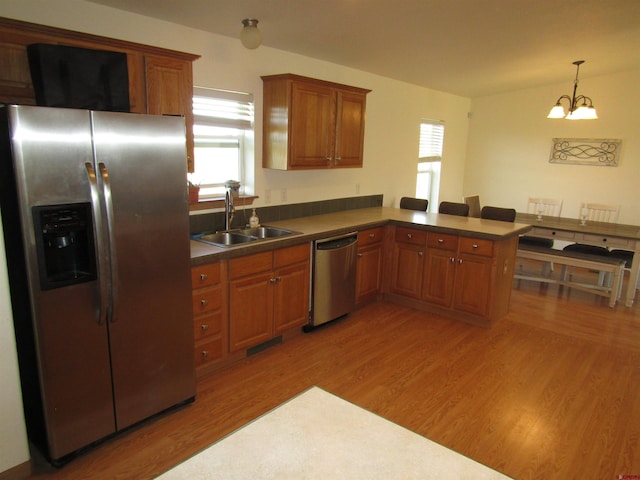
x=461 y=267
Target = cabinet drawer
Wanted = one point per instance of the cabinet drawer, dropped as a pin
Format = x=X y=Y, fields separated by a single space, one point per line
x=208 y=352
x=545 y=232
x=206 y=300
x=250 y=264
x=207 y=325
x=442 y=241
x=373 y=235
x=205 y=275
x=410 y=235
x=291 y=255
x=476 y=246
x=608 y=241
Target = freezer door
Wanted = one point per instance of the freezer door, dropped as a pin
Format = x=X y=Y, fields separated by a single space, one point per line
x=141 y=165
x=64 y=349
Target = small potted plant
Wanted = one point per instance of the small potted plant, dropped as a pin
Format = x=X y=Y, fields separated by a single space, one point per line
x=194 y=192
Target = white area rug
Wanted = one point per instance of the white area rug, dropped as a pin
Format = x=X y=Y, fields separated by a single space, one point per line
x=317 y=435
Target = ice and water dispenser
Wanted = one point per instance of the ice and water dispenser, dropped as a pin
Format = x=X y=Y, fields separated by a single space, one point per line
x=64 y=244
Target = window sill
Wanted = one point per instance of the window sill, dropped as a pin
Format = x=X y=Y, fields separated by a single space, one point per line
x=209 y=203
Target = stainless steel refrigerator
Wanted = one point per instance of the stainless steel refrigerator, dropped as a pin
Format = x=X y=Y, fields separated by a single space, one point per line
x=95 y=217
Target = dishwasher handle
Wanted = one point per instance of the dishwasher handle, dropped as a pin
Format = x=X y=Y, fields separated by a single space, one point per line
x=335 y=243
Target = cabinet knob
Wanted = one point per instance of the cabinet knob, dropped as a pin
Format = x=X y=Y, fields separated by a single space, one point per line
x=358 y=254
x=204 y=302
x=441 y=240
x=275 y=279
x=420 y=254
x=460 y=261
x=203 y=277
x=204 y=353
x=451 y=259
x=372 y=235
x=409 y=235
x=204 y=327
x=475 y=245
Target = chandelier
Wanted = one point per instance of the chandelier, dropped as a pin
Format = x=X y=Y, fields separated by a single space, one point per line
x=580 y=107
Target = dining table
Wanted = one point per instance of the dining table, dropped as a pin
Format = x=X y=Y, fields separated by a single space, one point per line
x=603 y=234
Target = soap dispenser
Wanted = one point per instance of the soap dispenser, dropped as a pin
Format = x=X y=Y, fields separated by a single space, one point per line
x=254 y=221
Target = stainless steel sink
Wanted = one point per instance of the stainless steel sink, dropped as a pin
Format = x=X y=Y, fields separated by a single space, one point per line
x=266 y=232
x=226 y=239
x=245 y=235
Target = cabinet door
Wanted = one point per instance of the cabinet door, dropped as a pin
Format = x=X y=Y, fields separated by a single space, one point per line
x=350 y=109
x=250 y=311
x=170 y=92
x=408 y=264
x=291 y=297
x=439 y=276
x=369 y=272
x=312 y=126
x=473 y=284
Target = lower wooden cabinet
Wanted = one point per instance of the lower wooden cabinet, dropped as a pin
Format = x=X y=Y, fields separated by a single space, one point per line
x=407 y=268
x=466 y=277
x=369 y=264
x=209 y=296
x=268 y=294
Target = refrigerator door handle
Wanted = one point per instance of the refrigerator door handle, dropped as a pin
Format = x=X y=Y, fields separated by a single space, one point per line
x=108 y=201
x=103 y=267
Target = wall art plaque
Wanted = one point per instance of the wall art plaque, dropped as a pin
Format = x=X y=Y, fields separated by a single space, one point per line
x=586 y=151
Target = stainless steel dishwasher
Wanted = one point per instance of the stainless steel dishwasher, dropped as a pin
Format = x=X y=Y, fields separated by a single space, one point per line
x=334 y=278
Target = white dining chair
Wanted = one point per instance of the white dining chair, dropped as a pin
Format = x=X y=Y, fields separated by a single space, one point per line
x=549 y=207
x=599 y=212
x=596 y=212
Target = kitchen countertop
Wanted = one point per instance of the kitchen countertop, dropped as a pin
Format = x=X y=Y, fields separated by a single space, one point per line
x=327 y=225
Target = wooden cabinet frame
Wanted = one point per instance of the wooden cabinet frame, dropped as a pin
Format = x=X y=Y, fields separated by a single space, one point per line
x=311 y=124
x=160 y=80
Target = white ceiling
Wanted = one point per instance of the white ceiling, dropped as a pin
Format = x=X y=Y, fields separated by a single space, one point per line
x=467 y=47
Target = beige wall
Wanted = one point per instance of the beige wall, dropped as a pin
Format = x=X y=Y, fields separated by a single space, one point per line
x=394 y=110
x=510 y=140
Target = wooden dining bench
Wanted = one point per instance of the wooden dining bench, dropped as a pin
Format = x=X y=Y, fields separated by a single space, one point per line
x=614 y=266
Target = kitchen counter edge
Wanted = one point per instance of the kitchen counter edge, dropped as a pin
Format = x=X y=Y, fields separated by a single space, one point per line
x=327 y=225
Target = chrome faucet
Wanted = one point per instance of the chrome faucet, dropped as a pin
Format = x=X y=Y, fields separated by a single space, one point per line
x=229 y=209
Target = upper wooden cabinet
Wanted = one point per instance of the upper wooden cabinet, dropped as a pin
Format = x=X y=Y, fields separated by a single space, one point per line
x=160 y=80
x=311 y=124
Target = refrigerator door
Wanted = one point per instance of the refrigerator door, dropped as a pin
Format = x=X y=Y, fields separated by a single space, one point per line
x=141 y=167
x=70 y=374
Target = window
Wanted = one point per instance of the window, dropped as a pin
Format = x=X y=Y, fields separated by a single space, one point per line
x=429 y=161
x=223 y=132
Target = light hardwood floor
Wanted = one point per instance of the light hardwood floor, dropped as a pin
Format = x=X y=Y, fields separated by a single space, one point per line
x=552 y=391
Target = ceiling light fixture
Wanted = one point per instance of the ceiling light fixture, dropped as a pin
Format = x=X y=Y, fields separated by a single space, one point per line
x=250 y=36
x=583 y=111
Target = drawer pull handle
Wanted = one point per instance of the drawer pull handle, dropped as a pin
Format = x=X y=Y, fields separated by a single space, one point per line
x=441 y=240
x=358 y=254
x=372 y=235
x=204 y=302
x=475 y=245
x=204 y=327
x=203 y=277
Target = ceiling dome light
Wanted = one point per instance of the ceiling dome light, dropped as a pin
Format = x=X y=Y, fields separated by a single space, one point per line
x=250 y=36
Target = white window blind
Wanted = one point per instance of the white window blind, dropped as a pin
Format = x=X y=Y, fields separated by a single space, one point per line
x=223 y=131
x=431 y=140
x=223 y=108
